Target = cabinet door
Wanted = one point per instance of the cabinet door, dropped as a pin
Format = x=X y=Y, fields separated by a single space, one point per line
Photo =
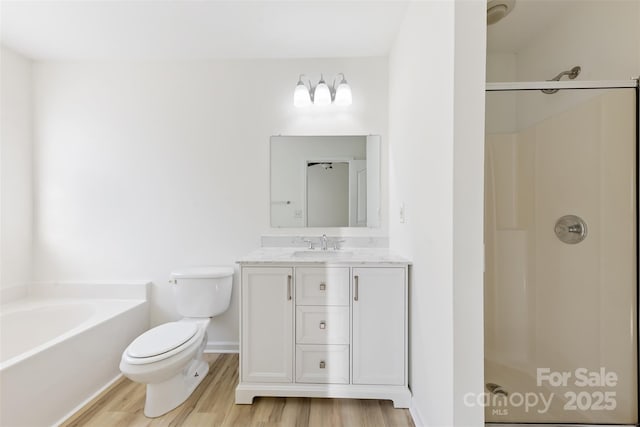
x=267 y=324
x=379 y=335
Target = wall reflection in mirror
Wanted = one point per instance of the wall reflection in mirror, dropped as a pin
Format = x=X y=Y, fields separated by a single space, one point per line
x=325 y=181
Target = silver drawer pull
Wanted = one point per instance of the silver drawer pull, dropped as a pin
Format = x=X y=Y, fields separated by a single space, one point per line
x=322 y=364
x=289 y=287
x=356 y=280
x=323 y=324
x=323 y=286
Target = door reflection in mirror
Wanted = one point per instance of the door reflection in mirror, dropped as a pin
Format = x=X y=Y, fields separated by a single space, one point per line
x=327 y=194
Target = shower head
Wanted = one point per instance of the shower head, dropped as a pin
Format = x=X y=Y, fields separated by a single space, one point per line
x=498 y=9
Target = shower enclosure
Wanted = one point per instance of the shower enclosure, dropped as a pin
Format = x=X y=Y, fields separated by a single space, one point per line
x=561 y=233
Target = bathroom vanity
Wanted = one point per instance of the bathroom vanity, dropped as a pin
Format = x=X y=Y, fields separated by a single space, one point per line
x=324 y=324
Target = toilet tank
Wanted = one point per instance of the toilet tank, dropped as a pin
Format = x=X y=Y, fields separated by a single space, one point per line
x=203 y=291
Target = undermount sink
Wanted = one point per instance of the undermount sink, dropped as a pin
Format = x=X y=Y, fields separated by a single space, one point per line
x=328 y=254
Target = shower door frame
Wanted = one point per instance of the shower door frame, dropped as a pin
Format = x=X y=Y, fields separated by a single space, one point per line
x=633 y=83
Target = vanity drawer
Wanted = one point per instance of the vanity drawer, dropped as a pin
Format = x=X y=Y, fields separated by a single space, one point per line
x=322 y=286
x=322 y=364
x=322 y=325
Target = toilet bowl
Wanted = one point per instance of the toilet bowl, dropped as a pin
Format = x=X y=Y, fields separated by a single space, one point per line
x=168 y=358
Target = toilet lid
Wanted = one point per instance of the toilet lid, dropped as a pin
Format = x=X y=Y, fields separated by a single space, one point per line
x=162 y=339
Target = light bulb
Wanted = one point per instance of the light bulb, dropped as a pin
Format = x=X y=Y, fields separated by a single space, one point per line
x=301 y=95
x=322 y=94
x=343 y=94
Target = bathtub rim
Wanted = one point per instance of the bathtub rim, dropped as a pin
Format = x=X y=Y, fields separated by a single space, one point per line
x=74 y=291
x=96 y=319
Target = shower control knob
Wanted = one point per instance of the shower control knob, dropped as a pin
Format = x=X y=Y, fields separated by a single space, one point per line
x=571 y=229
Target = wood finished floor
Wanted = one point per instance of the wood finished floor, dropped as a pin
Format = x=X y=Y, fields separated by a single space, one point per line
x=212 y=404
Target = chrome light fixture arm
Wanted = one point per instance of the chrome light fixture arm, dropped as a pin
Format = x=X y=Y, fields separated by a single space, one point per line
x=310 y=87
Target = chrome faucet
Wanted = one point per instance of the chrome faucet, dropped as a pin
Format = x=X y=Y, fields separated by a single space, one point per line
x=309 y=242
x=323 y=242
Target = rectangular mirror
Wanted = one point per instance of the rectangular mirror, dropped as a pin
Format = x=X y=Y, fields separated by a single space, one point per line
x=325 y=181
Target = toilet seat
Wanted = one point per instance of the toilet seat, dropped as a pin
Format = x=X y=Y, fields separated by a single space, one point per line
x=162 y=342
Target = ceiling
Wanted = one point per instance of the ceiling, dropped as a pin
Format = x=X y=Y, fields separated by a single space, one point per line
x=166 y=30
x=210 y=29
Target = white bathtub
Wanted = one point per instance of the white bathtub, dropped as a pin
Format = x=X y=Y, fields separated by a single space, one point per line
x=56 y=353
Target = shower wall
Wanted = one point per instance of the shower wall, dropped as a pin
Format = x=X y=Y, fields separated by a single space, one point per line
x=549 y=304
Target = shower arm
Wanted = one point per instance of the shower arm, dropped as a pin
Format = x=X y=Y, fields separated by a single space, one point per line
x=572 y=73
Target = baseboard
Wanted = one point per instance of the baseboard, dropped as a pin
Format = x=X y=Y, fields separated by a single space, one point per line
x=415 y=414
x=87 y=400
x=222 y=347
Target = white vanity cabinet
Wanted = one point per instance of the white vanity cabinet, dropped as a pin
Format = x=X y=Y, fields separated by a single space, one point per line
x=378 y=325
x=267 y=325
x=324 y=330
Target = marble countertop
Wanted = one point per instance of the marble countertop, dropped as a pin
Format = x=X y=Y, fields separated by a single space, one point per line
x=289 y=255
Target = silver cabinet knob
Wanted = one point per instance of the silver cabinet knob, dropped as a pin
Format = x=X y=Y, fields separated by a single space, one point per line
x=323 y=286
x=322 y=364
x=323 y=325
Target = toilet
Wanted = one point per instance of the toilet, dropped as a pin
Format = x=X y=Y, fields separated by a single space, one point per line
x=168 y=358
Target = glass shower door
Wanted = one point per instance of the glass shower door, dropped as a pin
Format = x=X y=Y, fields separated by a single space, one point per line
x=561 y=257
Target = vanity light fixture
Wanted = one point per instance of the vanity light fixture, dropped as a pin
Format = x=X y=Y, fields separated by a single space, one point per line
x=322 y=93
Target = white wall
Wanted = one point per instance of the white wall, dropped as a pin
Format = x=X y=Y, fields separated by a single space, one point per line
x=429 y=174
x=15 y=170
x=501 y=67
x=603 y=37
x=145 y=167
x=468 y=209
